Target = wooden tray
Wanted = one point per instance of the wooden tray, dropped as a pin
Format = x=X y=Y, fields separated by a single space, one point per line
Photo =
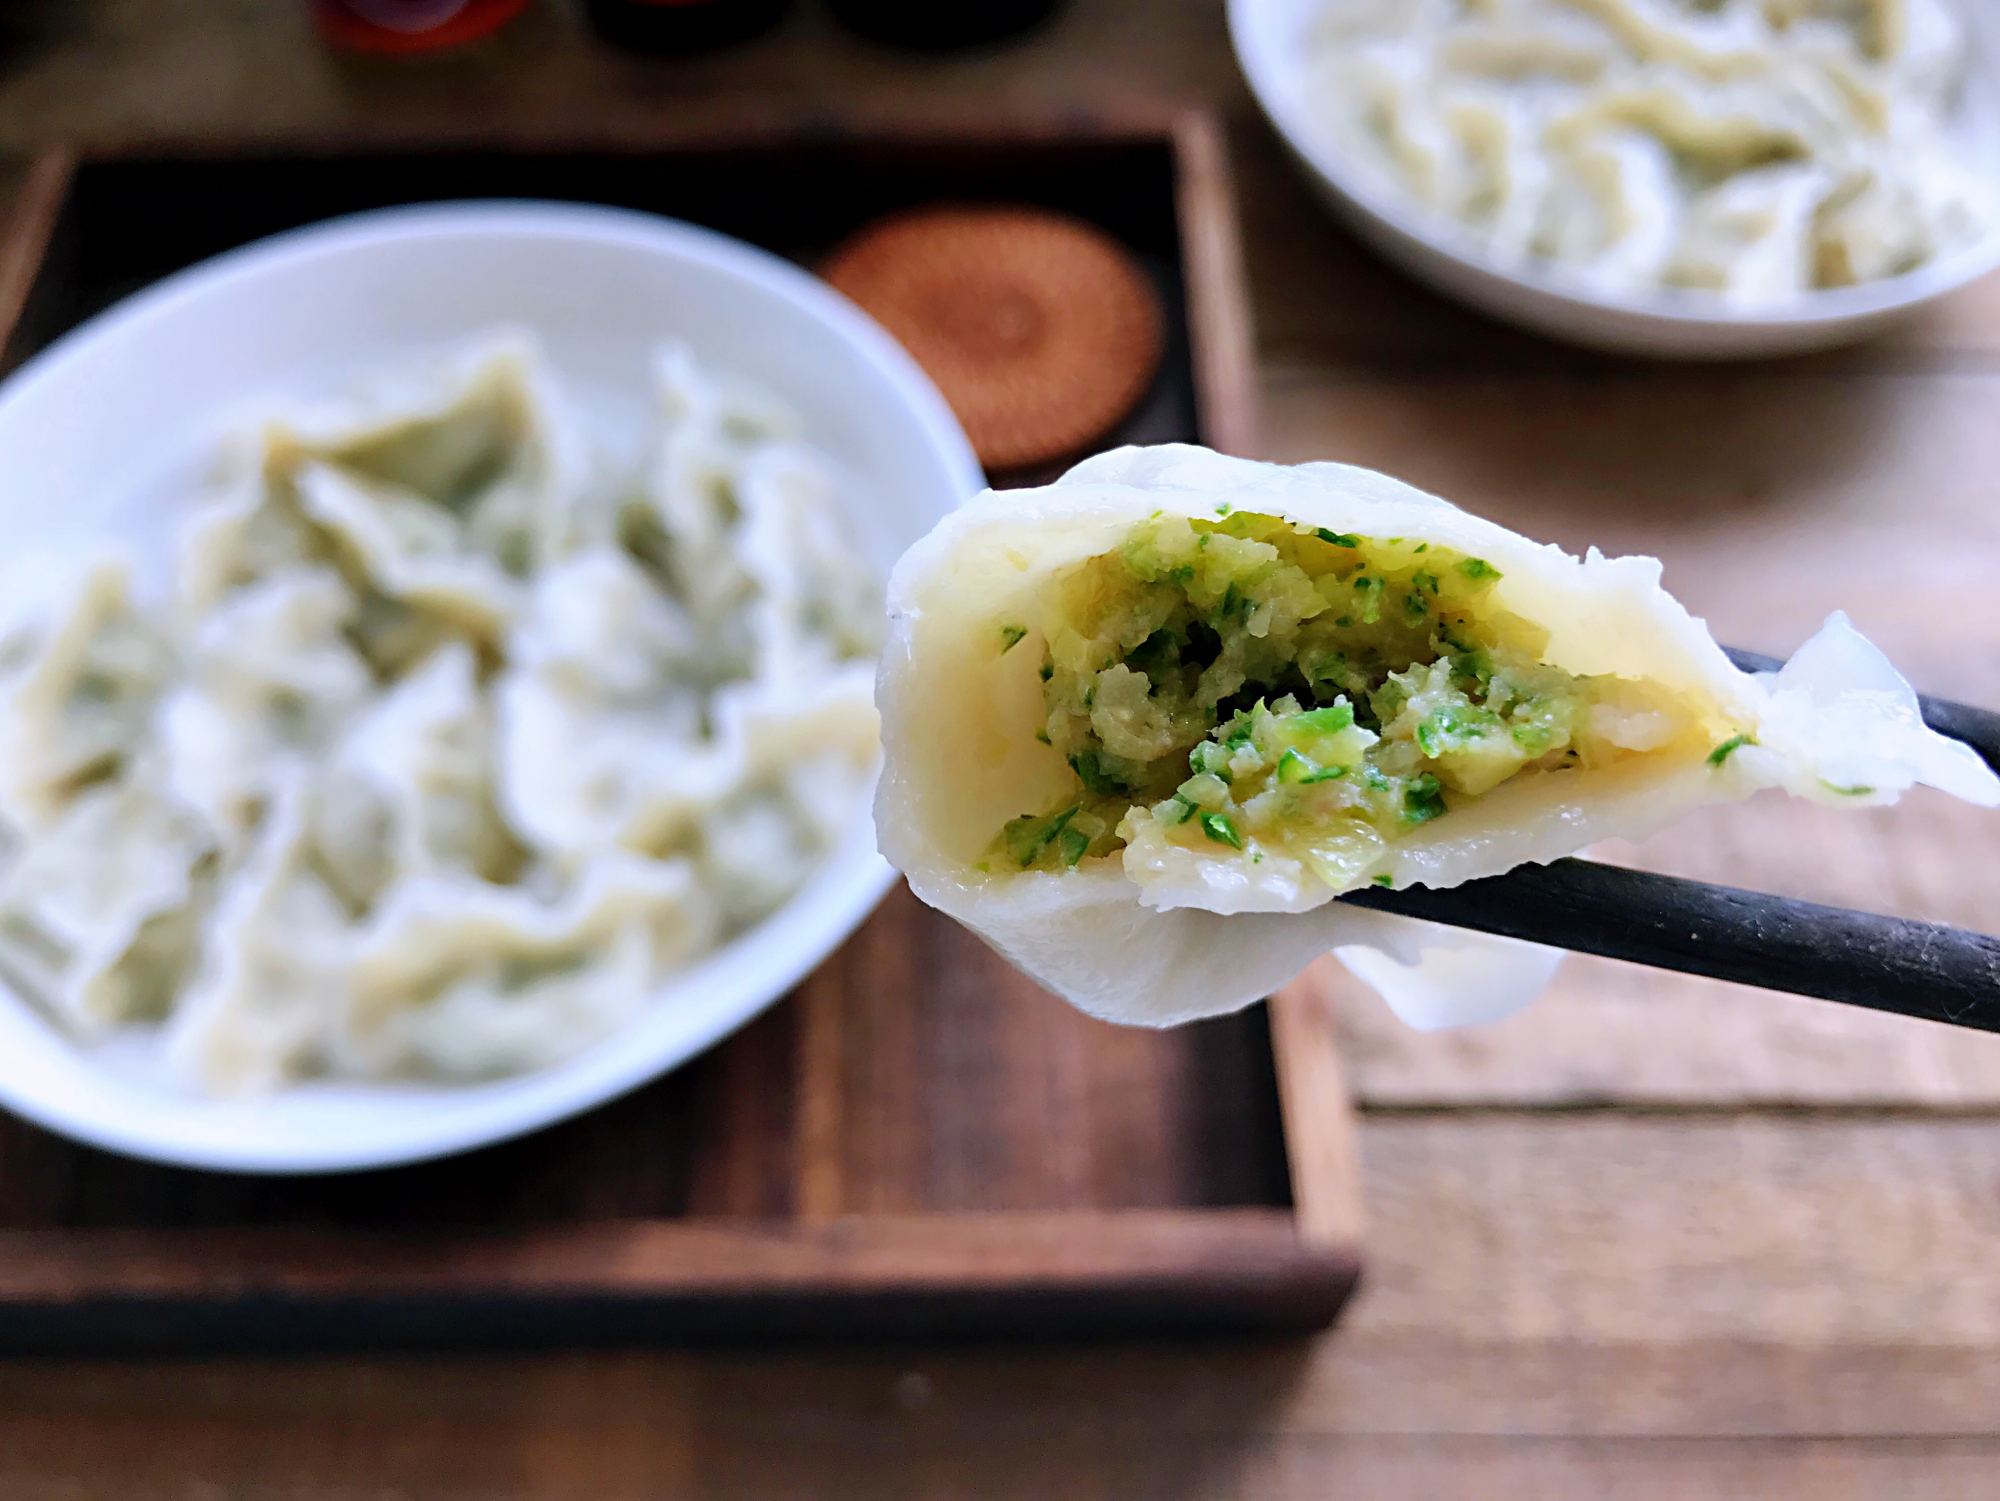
x=917 y=1140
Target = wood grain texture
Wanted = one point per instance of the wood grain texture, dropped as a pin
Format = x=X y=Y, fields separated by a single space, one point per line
x=34 y=206
x=1219 y=313
x=861 y=1254
x=1320 y=1129
x=1569 y=1300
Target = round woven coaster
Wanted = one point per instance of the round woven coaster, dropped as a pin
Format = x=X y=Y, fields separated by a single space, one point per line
x=1041 y=331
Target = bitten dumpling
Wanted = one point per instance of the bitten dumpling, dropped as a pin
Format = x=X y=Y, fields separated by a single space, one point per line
x=1143 y=725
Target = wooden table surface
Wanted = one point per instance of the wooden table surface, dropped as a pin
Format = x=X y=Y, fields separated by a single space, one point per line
x=1653 y=1238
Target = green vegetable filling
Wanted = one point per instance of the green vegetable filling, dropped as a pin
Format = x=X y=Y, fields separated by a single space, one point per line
x=1244 y=684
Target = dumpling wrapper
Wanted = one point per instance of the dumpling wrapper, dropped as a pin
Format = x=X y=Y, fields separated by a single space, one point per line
x=1838 y=725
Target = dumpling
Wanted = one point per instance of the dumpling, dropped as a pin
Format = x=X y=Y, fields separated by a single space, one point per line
x=464 y=980
x=599 y=690
x=607 y=739
x=271 y=680
x=247 y=528
x=76 y=695
x=409 y=790
x=100 y=913
x=737 y=519
x=274 y=976
x=1142 y=726
x=408 y=549
x=483 y=441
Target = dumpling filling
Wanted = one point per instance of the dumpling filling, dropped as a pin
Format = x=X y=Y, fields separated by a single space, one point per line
x=1250 y=688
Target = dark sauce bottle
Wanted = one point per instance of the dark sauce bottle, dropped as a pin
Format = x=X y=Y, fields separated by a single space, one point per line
x=676 y=27
x=941 y=25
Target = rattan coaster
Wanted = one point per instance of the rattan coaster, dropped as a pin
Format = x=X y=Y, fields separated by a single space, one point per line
x=1041 y=331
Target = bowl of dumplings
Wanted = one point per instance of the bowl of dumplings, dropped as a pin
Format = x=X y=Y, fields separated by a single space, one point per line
x=1675 y=178
x=436 y=677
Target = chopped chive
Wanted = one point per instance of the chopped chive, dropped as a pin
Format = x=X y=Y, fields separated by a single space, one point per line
x=1424 y=580
x=1218 y=827
x=1845 y=791
x=1423 y=547
x=1415 y=611
x=1385 y=880
x=1338 y=539
x=1344 y=620
x=983 y=868
x=1370 y=589
x=1224 y=509
x=1027 y=848
x=1182 y=576
x=1178 y=811
x=1011 y=637
x=1728 y=747
x=1210 y=758
x=1477 y=568
x=1326 y=774
x=1424 y=800
x=1293 y=767
x=1098 y=779
x=1075 y=845
x=1325 y=721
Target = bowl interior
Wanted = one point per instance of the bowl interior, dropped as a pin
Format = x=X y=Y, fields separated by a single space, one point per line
x=1269 y=37
x=108 y=431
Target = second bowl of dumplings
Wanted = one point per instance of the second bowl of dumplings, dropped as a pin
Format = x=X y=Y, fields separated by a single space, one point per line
x=1658 y=177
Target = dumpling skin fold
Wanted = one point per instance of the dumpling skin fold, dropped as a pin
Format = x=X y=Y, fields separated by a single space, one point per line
x=1213 y=929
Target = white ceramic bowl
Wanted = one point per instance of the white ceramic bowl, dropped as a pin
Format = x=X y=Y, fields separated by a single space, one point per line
x=1268 y=37
x=109 y=425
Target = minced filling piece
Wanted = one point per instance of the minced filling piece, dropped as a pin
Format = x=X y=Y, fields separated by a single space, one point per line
x=1249 y=684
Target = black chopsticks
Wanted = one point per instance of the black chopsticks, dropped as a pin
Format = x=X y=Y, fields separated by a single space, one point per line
x=1919 y=969
x=1884 y=963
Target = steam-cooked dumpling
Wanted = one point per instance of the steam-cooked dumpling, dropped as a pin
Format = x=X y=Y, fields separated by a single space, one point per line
x=601 y=689
x=483 y=441
x=77 y=686
x=271 y=681
x=737 y=519
x=409 y=549
x=607 y=743
x=1142 y=726
x=409 y=791
x=99 y=915
x=466 y=980
x=274 y=973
